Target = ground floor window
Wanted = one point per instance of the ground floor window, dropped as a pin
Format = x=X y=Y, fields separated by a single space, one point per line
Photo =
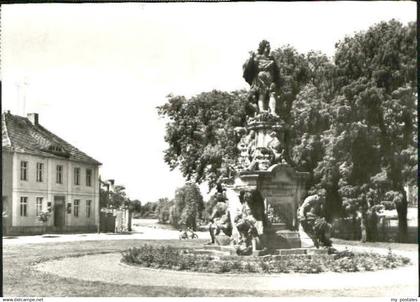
x=39 y=205
x=76 y=207
x=23 y=206
x=88 y=207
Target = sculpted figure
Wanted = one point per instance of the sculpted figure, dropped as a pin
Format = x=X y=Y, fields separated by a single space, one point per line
x=220 y=220
x=262 y=73
x=275 y=146
x=262 y=159
x=250 y=222
x=245 y=146
x=312 y=222
x=272 y=103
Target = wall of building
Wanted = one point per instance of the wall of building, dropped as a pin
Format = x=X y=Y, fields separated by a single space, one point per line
x=6 y=182
x=48 y=189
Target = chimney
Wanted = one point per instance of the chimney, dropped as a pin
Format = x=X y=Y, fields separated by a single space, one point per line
x=33 y=118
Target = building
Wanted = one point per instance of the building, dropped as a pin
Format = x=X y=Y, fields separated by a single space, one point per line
x=42 y=173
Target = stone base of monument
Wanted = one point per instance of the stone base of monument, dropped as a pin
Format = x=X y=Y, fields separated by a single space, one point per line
x=225 y=249
x=301 y=251
x=283 y=239
x=222 y=240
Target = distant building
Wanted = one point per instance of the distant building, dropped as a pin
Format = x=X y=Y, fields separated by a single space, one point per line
x=41 y=172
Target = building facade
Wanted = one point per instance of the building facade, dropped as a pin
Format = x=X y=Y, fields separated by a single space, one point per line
x=43 y=175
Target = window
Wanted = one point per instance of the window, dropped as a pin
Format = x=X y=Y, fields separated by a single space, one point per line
x=23 y=170
x=76 y=207
x=88 y=177
x=39 y=205
x=77 y=176
x=88 y=207
x=39 y=171
x=59 y=174
x=23 y=206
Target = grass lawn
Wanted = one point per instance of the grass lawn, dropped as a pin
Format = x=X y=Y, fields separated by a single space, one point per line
x=408 y=247
x=20 y=279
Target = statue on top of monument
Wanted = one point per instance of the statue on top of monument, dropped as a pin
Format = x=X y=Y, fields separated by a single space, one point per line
x=262 y=73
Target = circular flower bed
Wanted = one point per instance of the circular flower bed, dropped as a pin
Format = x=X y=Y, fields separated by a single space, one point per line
x=168 y=257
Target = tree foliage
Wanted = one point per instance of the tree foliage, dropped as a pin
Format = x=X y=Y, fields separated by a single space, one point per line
x=148 y=209
x=358 y=134
x=162 y=210
x=200 y=132
x=184 y=210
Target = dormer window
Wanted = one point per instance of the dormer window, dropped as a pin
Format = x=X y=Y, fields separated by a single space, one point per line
x=57 y=150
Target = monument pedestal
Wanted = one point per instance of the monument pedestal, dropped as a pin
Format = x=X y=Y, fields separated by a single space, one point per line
x=222 y=240
x=282 y=189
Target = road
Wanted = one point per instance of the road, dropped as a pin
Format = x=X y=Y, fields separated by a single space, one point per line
x=145 y=229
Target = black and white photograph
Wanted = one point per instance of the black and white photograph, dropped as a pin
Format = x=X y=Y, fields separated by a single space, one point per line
x=209 y=149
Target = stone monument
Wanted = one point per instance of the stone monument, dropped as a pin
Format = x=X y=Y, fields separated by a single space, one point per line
x=269 y=188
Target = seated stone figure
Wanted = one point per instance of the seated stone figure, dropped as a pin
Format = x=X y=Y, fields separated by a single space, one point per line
x=250 y=223
x=220 y=220
x=312 y=222
x=248 y=240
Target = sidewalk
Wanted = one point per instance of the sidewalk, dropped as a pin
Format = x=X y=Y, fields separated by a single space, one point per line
x=139 y=232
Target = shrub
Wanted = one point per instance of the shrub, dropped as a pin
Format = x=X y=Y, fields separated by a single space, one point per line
x=236 y=265
x=225 y=266
x=185 y=259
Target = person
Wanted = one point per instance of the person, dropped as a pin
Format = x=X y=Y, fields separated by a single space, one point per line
x=373 y=217
x=362 y=215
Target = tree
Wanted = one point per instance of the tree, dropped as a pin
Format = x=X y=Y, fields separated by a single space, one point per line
x=148 y=209
x=118 y=196
x=114 y=198
x=188 y=206
x=163 y=210
x=104 y=199
x=200 y=132
x=135 y=205
x=377 y=74
x=353 y=124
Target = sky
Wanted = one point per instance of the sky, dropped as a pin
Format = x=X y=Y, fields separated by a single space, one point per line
x=95 y=72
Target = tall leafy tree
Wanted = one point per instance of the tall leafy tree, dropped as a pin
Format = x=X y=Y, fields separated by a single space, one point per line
x=201 y=132
x=188 y=205
x=162 y=210
x=376 y=72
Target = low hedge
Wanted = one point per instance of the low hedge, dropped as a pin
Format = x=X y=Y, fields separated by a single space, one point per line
x=168 y=257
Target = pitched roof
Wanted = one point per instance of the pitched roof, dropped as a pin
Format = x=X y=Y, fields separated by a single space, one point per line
x=21 y=135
